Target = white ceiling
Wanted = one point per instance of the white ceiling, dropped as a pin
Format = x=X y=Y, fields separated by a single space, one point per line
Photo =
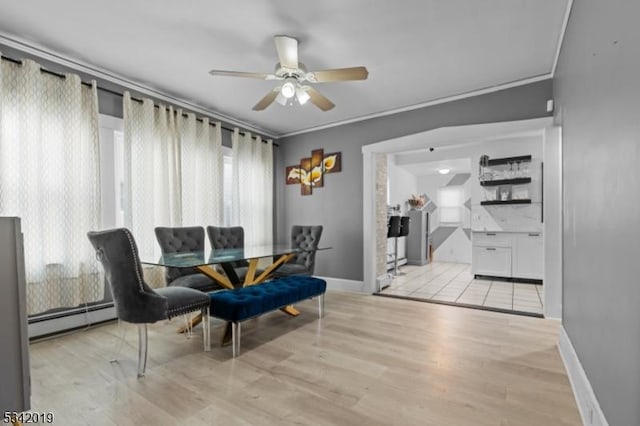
x=455 y=165
x=416 y=50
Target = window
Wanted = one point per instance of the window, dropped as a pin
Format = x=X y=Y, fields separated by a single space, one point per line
x=450 y=205
x=111 y=171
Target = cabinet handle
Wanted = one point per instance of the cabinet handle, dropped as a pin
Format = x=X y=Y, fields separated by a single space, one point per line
x=491 y=234
x=534 y=234
x=491 y=249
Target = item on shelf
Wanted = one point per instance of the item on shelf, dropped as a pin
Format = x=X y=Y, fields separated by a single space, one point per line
x=505 y=193
x=417 y=201
x=490 y=194
x=519 y=193
x=518 y=172
x=483 y=174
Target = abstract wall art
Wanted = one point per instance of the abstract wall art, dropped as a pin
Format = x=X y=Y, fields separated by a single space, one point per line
x=311 y=170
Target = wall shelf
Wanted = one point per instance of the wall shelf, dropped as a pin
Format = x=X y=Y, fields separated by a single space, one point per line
x=498 y=202
x=507 y=160
x=514 y=181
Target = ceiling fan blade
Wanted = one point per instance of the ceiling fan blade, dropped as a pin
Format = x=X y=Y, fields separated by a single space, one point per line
x=258 y=75
x=319 y=100
x=287 y=48
x=339 y=74
x=266 y=101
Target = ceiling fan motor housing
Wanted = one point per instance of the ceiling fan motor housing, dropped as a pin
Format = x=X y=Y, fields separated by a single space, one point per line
x=299 y=73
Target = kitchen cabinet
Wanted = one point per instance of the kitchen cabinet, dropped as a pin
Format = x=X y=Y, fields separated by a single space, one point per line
x=508 y=254
x=492 y=261
x=528 y=256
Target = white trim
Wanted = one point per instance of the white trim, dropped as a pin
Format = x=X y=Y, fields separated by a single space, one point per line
x=586 y=400
x=341 y=284
x=432 y=102
x=58 y=58
x=457 y=136
x=563 y=31
x=553 y=219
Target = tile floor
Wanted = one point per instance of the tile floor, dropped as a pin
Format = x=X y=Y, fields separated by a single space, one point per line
x=454 y=283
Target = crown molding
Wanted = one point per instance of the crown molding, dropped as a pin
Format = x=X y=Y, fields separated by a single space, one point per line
x=563 y=31
x=104 y=74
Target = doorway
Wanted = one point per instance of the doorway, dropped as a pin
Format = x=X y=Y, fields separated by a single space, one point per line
x=453 y=280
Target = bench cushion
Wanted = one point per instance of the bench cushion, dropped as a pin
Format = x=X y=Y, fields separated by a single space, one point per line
x=247 y=302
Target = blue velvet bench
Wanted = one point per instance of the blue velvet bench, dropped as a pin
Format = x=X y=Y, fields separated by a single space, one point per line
x=245 y=303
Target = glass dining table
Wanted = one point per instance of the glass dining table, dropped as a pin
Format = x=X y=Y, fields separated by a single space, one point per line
x=206 y=262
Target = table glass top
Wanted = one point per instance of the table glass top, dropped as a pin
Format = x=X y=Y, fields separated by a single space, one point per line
x=217 y=256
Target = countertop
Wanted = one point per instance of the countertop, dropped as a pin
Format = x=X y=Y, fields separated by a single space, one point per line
x=531 y=231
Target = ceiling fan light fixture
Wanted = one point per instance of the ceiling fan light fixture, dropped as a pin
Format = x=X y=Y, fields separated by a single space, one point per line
x=289 y=88
x=302 y=95
x=281 y=99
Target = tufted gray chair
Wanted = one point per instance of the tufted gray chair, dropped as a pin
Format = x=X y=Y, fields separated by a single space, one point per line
x=134 y=300
x=226 y=238
x=184 y=240
x=306 y=238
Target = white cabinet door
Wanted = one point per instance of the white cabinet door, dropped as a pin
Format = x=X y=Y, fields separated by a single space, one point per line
x=528 y=256
x=494 y=261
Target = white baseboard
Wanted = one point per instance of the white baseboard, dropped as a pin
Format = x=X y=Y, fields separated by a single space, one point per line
x=344 y=285
x=588 y=405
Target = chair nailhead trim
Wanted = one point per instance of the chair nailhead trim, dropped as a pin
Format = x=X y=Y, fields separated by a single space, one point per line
x=135 y=257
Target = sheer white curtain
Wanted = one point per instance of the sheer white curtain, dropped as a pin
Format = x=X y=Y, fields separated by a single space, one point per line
x=252 y=206
x=173 y=171
x=49 y=176
x=152 y=192
x=202 y=172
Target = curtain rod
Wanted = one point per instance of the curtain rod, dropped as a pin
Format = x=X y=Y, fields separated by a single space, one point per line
x=113 y=92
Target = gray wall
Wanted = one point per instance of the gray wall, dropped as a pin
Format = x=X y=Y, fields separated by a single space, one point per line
x=597 y=92
x=338 y=206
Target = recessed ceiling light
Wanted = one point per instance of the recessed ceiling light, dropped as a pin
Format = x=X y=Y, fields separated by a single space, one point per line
x=443 y=171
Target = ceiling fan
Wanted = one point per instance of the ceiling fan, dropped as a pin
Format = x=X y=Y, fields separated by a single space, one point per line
x=291 y=76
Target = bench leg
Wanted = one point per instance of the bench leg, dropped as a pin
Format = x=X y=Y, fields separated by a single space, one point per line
x=321 y=306
x=235 y=337
x=290 y=310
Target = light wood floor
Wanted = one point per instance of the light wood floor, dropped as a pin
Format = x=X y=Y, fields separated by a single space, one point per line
x=370 y=361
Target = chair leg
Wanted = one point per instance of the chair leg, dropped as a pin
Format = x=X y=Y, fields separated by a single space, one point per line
x=142 y=349
x=235 y=337
x=120 y=344
x=321 y=306
x=206 y=329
